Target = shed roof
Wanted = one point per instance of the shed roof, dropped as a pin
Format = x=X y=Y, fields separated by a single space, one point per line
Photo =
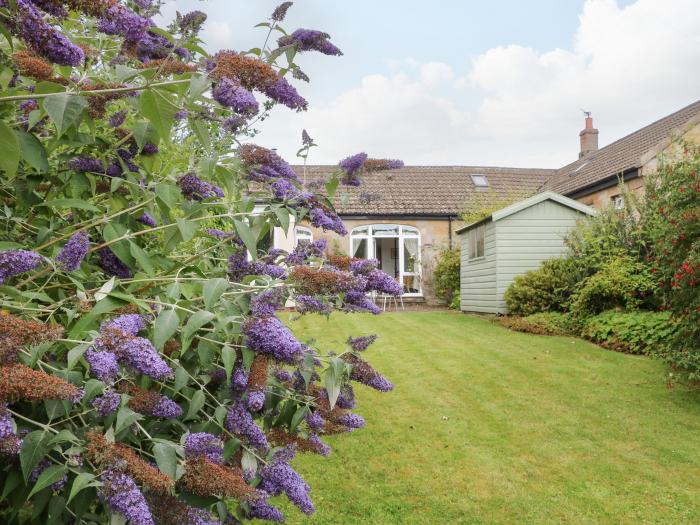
x=528 y=203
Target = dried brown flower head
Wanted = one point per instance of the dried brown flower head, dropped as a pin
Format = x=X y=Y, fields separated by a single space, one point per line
x=15 y=332
x=18 y=381
x=203 y=477
x=170 y=347
x=121 y=457
x=30 y=65
x=170 y=66
x=319 y=281
x=257 y=377
x=97 y=104
x=142 y=401
x=251 y=72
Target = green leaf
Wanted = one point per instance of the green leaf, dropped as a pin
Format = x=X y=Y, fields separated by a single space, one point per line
x=65 y=110
x=332 y=186
x=181 y=379
x=75 y=353
x=47 y=477
x=125 y=418
x=246 y=235
x=70 y=203
x=144 y=132
x=166 y=458
x=63 y=436
x=195 y=405
x=299 y=415
x=82 y=481
x=213 y=289
x=32 y=151
x=249 y=462
x=165 y=326
x=283 y=217
x=105 y=289
x=333 y=379
x=9 y=150
x=157 y=107
x=188 y=229
x=35 y=446
x=198 y=85
x=194 y=323
x=142 y=258
x=228 y=355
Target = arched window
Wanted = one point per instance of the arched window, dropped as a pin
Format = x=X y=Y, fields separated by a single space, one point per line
x=302 y=233
x=396 y=247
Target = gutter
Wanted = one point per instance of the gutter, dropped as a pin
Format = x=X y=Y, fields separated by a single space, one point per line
x=608 y=182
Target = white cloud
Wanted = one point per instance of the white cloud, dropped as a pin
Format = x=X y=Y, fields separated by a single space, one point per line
x=435 y=73
x=628 y=66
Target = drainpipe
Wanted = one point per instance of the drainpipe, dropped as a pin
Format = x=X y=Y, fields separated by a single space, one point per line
x=449 y=225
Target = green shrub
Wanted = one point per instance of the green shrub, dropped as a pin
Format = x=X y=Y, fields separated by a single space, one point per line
x=446 y=277
x=621 y=283
x=631 y=332
x=672 y=219
x=546 y=289
x=543 y=323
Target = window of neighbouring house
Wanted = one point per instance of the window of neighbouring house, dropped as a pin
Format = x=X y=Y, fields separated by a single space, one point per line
x=476 y=242
x=302 y=233
x=618 y=202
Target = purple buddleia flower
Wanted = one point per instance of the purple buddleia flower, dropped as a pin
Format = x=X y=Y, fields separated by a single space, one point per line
x=121 y=493
x=118 y=118
x=219 y=234
x=352 y=421
x=165 y=408
x=44 y=39
x=363 y=266
x=239 y=379
x=360 y=344
x=192 y=22
x=86 y=165
x=7 y=428
x=231 y=94
x=259 y=507
x=130 y=324
x=41 y=467
x=379 y=382
x=256 y=400
x=107 y=403
x=305 y=250
x=320 y=447
x=149 y=149
x=140 y=354
x=74 y=251
x=118 y=20
x=283 y=189
x=380 y=281
x=269 y=336
x=112 y=265
x=204 y=444
x=315 y=421
x=143 y=4
x=241 y=423
x=261 y=268
x=327 y=220
x=147 y=219
x=233 y=124
x=307 y=304
x=300 y=75
x=183 y=53
x=181 y=115
x=15 y=262
x=284 y=93
x=279 y=477
x=238 y=266
x=283 y=375
x=281 y=11
x=346 y=398
x=267 y=302
x=51 y=7
x=310 y=40
x=353 y=164
x=194 y=188
x=103 y=365
x=359 y=302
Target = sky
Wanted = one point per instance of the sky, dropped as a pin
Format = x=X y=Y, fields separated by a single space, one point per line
x=468 y=82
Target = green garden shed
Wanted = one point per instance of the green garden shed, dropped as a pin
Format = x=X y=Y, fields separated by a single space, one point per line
x=510 y=242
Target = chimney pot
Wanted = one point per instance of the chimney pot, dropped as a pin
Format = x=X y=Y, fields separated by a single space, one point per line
x=589 y=138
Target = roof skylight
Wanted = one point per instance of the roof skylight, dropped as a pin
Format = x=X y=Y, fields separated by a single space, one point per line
x=479 y=180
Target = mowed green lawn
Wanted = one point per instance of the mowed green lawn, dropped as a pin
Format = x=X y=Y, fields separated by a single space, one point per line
x=492 y=426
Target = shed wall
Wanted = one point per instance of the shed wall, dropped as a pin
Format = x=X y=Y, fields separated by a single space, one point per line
x=478 y=276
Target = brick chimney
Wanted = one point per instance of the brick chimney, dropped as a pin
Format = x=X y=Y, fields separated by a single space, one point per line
x=589 y=137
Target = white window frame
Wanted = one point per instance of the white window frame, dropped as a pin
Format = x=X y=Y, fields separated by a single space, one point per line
x=618 y=201
x=302 y=233
x=475 y=234
x=404 y=232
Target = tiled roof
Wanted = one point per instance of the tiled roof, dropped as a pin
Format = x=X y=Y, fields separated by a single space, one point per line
x=427 y=190
x=622 y=155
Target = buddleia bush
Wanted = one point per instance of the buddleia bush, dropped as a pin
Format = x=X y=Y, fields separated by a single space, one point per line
x=146 y=376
